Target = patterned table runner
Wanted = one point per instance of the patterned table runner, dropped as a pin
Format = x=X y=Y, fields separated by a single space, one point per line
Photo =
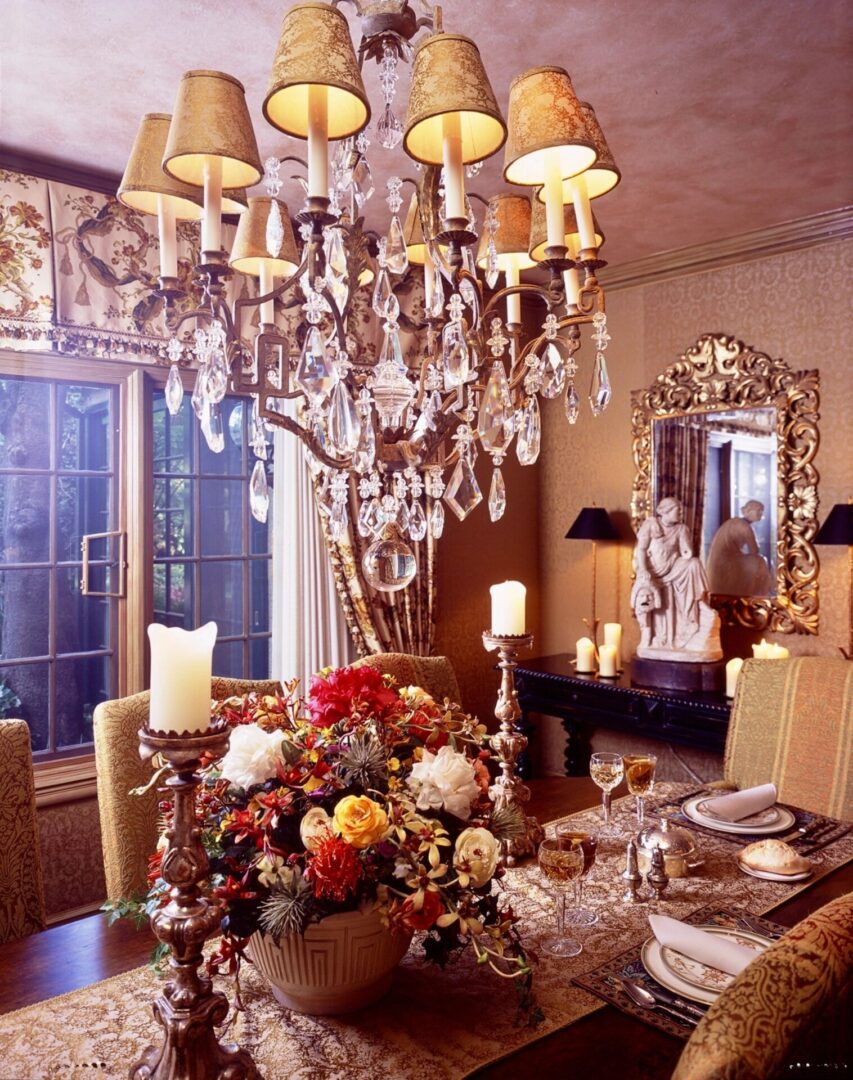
x=436 y=1024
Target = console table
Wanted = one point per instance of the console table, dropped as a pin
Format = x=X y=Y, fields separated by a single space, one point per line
x=550 y=685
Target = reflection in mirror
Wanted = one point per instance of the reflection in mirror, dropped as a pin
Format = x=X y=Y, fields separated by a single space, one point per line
x=721 y=466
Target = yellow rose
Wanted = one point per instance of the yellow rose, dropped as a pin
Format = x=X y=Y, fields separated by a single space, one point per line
x=360 y=821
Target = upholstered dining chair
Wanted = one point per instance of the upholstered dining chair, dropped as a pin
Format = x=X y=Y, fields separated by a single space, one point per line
x=21 y=891
x=792 y=724
x=129 y=822
x=793 y=1003
x=434 y=674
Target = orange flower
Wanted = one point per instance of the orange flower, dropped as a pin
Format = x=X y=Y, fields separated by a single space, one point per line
x=422 y=917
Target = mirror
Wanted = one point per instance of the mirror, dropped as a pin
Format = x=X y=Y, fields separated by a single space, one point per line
x=732 y=434
x=721 y=466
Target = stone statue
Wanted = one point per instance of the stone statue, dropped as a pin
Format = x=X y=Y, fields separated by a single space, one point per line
x=731 y=570
x=670 y=590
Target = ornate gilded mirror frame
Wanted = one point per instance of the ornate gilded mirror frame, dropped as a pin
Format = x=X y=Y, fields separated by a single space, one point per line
x=717 y=373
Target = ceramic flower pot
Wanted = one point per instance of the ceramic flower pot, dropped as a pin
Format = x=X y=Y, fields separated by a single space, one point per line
x=342 y=963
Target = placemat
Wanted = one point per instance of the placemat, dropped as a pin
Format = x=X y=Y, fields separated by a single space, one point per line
x=802 y=819
x=630 y=965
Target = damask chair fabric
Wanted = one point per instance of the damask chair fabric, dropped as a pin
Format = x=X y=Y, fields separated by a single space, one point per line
x=434 y=674
x=793 y=1003
x=21 y=892
x=129 y=822
x=792 y=724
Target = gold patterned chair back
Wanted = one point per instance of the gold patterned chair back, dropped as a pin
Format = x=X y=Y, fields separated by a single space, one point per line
x=434 y=674
x=792 y=724
x=793 y=1003
x=129 y=822
x=21 y=891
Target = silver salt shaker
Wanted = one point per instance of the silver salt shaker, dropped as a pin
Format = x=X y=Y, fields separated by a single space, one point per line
x=656 y=877
x=631 y=874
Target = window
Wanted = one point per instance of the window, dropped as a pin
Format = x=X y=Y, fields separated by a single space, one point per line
x=211 y=557
x=58 y=483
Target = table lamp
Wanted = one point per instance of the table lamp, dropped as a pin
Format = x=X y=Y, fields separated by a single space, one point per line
x=838 y=530
x=592 y=523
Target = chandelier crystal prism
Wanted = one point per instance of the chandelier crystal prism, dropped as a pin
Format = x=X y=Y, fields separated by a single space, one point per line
x=402 y=429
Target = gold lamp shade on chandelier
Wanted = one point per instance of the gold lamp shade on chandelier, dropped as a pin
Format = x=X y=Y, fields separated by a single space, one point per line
x=211 y=121
x=315 y=49
x=449 y=83
x=512 y=236
x=144 y=183
x=601 y=177
x=249 y=250
x=538 y=239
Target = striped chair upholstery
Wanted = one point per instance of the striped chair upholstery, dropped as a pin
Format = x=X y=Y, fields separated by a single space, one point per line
x=21 y=893
x=792 y=724
x=793 y=1003
x=129 y=822
x=434 y=674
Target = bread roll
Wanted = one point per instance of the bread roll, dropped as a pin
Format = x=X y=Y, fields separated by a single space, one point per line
x=774 y=856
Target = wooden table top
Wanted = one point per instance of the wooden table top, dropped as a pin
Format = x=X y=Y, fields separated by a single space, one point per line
x=607 y=1044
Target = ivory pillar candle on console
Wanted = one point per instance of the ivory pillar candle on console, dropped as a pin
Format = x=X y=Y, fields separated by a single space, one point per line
x=607 y=663
x=613 y=636
x=508 y=615
x=732 y=672
x=181 y=668
x=585 y=656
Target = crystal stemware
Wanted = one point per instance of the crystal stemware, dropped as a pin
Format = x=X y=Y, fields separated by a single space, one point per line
x=607 y=770
x=559 y=866
x=569 y=838
x=640 y=776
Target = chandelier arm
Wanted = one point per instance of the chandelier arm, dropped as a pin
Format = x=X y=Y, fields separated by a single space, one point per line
x=289 y=424
x=478 y=197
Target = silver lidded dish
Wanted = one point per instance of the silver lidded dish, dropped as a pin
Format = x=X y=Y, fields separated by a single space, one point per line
x=681 y=856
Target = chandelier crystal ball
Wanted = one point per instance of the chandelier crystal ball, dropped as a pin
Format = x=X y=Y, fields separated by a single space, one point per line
x=409 y=429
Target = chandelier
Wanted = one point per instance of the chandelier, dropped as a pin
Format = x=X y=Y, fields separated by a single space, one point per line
x=410 y=432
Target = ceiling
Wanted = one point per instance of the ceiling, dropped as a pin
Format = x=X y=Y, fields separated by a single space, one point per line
x=723 y=115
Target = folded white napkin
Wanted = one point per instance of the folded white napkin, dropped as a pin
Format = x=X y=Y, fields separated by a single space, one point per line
x=711 y=949
x=741 y=804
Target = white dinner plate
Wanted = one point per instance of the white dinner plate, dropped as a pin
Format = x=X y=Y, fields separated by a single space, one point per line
x=704 y=976
x=769 y=816
x=784 y=822
x=653 y=962
x=768 y=875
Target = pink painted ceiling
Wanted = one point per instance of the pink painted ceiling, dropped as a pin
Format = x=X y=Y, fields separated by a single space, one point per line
x=724 y=115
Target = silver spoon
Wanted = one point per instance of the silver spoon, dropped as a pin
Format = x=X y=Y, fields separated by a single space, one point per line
x=640 y=996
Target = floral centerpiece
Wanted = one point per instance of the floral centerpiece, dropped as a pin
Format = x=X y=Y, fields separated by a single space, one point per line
x=364 y=796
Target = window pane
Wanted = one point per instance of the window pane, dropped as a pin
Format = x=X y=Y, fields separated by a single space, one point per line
x=24 y=518
x=230 y=461
x=259 y=534
x=173 y=594
x=80 y=686
x=24 y=690
x=228 y=659
x=173 y=440
x=84 y=426
x=26 y=437
x=173 y=517
x=24 y=613
x=259 y=574
x=82 y=506
x=222 y=596
x=260 y=659
x=222 y=507
x=82 y=622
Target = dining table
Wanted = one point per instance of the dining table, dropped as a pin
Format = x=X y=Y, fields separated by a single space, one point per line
x=605 y=1043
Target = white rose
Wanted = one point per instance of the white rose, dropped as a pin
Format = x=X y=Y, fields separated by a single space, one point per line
x=316 y=825
x=445 y=780
x=252 y=755
x=475 y=854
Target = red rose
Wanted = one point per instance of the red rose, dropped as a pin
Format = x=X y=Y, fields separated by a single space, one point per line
x=350 y=694
x=429 y=911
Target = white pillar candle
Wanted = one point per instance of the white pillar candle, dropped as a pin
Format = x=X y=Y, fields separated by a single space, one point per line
x=513 y=302
x=585 y=658
x=554 y=219
x=583 y=212
x=318 y=142
x=211 y=223
x=508 y=608
x=607 y=661
x=181 y=666
x=454 y=186
x=613 y=636
x=732 y=671
x=168 y=237
x=762 y=650
x=266 y=283
x=778 y=652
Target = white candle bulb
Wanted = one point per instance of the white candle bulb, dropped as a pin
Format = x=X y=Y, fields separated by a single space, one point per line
x=583 y=213
x=508 y=615
x=554 y=200
x=513 y=301
x=181 y=666
x=211 y=224
x=318 y=142
x=585 y=656
x=607 y=661
x=572 y=284
x=454 y=186
x=732 y=672
x=168 y=237
x=266 y=283
x=613 y=636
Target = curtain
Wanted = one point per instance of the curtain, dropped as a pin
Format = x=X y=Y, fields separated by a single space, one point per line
x=309 y=631
x=682 y=458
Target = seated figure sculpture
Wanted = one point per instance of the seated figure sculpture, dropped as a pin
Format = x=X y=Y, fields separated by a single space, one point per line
x=669 y=594
x=733 y=571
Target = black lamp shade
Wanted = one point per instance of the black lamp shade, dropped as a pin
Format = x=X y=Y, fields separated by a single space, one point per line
x=838 y=527
x=592 y=523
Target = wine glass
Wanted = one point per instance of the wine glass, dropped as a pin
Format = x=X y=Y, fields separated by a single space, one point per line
x=640 y=775
x=607 y=770
x=569 y=838
x=560 y=865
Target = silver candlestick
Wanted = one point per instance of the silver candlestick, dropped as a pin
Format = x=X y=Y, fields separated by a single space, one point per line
x=509 y=743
